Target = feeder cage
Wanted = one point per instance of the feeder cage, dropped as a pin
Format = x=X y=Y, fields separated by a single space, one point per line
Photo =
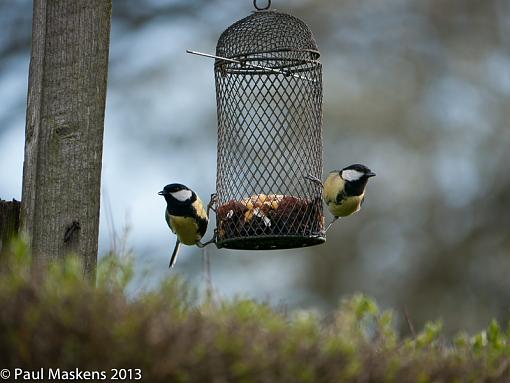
x=269 y=100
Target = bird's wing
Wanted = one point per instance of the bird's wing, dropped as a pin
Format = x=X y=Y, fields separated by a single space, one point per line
x=201 y=217
x=333 y=188
x=173 y=258
x=202 y=226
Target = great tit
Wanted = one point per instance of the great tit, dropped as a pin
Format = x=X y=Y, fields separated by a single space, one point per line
x=185 y=215
x=344 y=190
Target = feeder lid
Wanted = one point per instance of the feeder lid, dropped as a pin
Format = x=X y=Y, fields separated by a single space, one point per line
x=267 y=32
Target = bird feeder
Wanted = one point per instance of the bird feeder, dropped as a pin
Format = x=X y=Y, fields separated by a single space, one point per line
x=269 y=101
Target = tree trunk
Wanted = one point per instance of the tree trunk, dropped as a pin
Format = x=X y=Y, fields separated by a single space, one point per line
x=9 y=222
x=64 y=129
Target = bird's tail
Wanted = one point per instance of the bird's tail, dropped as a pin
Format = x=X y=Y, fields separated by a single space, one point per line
x=173 y=259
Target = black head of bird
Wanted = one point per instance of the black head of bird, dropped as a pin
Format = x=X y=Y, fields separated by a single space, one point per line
x=185 y=215
x=356 y=178
x=177 y=196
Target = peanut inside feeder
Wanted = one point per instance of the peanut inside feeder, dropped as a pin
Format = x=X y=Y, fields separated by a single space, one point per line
x=269 y=100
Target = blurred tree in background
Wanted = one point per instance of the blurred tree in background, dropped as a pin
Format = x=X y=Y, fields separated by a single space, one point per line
x=417 y=90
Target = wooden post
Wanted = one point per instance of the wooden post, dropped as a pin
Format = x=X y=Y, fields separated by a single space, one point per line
x=9 y=221
x=64 y=129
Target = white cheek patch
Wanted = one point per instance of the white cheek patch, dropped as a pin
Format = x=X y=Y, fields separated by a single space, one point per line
x=351 y=175
x=182 y=195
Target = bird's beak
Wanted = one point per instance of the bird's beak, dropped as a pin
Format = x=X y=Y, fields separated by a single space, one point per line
x=371 y=174
x=162 y=192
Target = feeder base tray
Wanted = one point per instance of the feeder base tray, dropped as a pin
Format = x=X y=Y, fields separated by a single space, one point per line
x=270 y=242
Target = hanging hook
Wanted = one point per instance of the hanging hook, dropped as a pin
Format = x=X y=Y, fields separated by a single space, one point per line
x=262 y=8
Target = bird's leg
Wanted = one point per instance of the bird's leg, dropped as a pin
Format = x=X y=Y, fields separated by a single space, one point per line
x=212 y=240
x=314 y=180
x=331 y=223
x=212 y=202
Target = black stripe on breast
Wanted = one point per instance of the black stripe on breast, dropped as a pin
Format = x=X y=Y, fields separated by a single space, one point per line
x=187 y=211
x=355 y=188
x=340 y=197
x=181 y=210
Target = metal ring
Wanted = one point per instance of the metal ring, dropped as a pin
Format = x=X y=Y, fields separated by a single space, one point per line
x=262 y=8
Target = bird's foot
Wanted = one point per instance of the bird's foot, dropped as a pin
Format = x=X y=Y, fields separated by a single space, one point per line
x=314 y=180
x=331 y=223
x=212 y=240
x=212 y=202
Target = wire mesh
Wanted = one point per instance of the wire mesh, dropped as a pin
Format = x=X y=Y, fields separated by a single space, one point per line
x=269 y=134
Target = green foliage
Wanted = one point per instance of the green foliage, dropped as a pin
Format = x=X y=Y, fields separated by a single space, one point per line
x=62 y=320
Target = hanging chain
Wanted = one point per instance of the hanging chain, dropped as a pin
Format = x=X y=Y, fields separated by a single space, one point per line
x=262 y=8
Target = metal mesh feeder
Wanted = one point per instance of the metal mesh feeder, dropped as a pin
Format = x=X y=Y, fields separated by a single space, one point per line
x=269 y=100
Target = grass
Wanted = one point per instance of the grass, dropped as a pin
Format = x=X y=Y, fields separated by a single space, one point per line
x=63 y=321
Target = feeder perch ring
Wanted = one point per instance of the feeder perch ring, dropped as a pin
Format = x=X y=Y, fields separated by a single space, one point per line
x=262 y=8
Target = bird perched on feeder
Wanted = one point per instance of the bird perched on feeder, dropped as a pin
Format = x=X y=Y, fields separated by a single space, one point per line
x=185 y=215
x=344 y=190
